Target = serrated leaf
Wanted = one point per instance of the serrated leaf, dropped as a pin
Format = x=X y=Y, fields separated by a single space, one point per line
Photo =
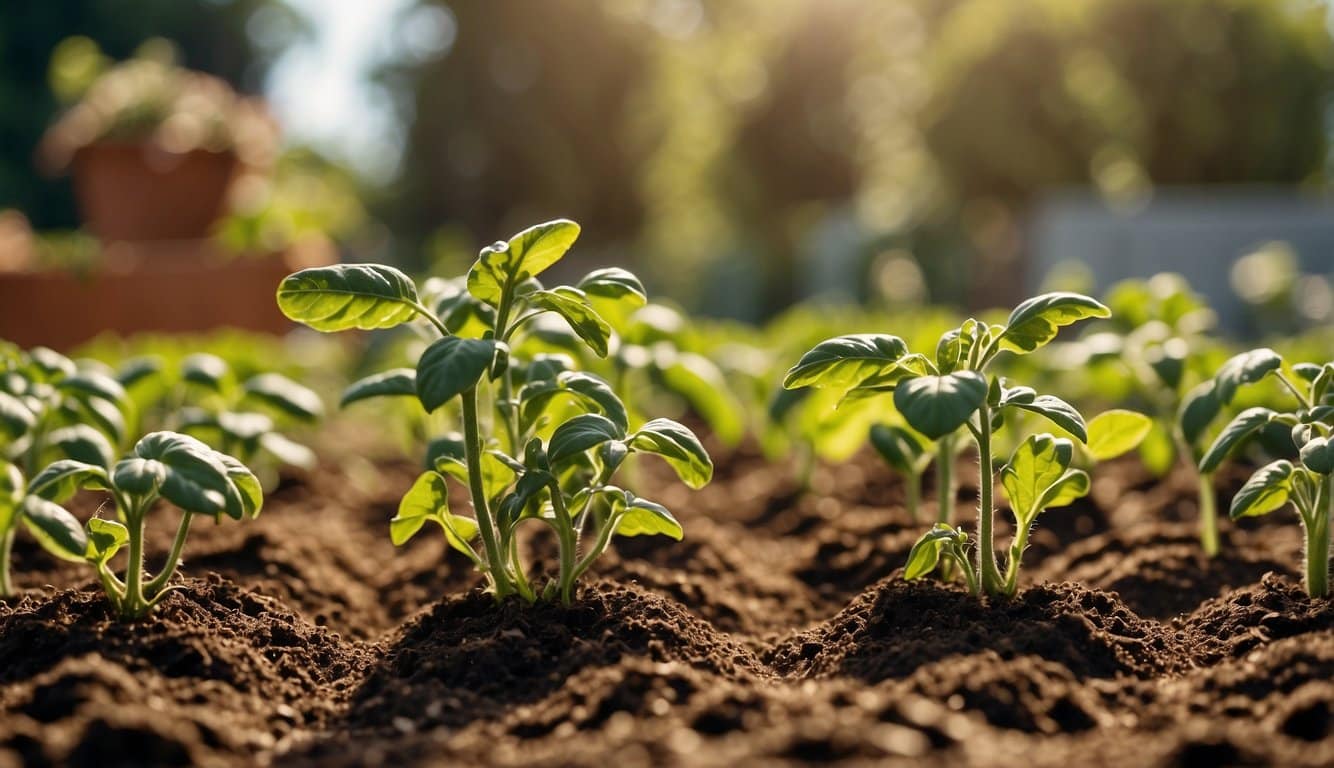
x=105 y=539
x=938 y=405
x=58 y=531
x=571 y=304
x=1245 y=368
x=1246 y=423
x=526 y=255
x=347 y=296
x=1115 y=432
x=1037 y=321
x=398 y=382
x=897 y=446
x=846 y=361
x=451 y=366
x=678 y=446
x=1266 y=490
x=579 y=434
x=279 y=392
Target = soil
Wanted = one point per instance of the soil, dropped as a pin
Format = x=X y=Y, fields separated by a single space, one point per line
x=778 y=632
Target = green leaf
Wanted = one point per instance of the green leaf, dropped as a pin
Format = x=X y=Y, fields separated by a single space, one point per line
x=194 y=476
x=1037 y=466
x=102 y=414
x=451 y=366
x=1245 y=368
x=348 y=296
x=105 y=539
x=647 y=518
x=288 y=451
x=1053 y=408
x=55 y=529
x=585 y=387
x=15 y=418
x=614 y=287
x=50 y=364
x=278 y=391
x=246 y=483
x=62 y=479
x=702 y=385
x=526 y=255
x=1234 y=434
x=897 y=446
x=396 y=382
x=1318 y=455
x=1159 y=450
x=1267 y=490
x=206 y=370
x=846 y=361
x=678 y=446
x=137 y=370
x=1199 y=408
x=428 y=500
x=83 y=443
x=925 y=554
x=1115 y=432
x=12 y=491
x=90 y=384
x=571 y=304
x=579 y=434
x=938 y=405
x=1035 y=322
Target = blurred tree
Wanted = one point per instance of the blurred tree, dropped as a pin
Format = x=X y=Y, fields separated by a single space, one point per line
x=234 y=39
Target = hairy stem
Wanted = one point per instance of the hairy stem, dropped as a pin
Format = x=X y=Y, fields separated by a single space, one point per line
x=173 y=558
x=472 y=438
x=1208 y=515
x=6 y=550
x=987 y=571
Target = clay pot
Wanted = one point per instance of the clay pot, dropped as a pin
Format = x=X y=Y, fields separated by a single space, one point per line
x=140 y=192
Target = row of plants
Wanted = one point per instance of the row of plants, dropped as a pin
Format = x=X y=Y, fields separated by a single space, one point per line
x=535 y=399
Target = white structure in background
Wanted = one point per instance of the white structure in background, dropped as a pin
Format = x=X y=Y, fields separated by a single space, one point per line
x=1200 y=234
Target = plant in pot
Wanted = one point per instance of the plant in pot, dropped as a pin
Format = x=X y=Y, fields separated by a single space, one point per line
x=154 y=148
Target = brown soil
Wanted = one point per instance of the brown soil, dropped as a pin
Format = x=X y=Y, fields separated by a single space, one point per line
x=778 y=632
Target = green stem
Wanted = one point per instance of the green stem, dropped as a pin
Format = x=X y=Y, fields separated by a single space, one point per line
x=1317 y=542
x=600 y=546
x=946 y=490
x=568 y=545
x=1016 y=556
x=6 y=550
x=173 y=558
x=524 y=588
x=472 y=438
x=986 y=510
x=1208 y=515
x=134 y=605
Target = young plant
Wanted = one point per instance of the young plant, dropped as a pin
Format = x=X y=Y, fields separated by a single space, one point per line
x=953 y=391
x=204 y=398
x=552 y=438
x=50 y=409
x=164 y=465
x=1307 y=479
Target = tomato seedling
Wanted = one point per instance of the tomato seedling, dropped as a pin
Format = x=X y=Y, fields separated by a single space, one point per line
x=1307 y=479
x=555 y=436
x=164 y=465
x=940 y=396
x=50 y=409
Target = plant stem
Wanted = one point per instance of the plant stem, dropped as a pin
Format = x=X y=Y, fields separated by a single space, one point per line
x=568 y=544
x=173 y=558
x=1208 y=515
x=946 y=489
x=6 y=549
x=472 y=439
x=134 y=604
x=987 y=571
x=1016 y=556
x=1317 y=542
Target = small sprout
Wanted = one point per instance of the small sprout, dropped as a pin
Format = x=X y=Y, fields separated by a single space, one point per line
x=556 y=436
x=164 y=465
x=940 y=397
x=1308 y=482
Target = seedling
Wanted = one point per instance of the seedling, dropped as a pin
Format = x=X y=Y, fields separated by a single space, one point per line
x=953 y=391
x=164 y=465
x=1308 y=481
x=50 y=409
x=204 y=398
x=555 y=436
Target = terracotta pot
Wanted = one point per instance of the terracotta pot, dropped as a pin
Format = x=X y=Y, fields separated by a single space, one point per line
x=160 y=288
x=140 y=192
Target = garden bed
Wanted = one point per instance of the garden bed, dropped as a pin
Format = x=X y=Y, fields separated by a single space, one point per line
x=777 y=631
